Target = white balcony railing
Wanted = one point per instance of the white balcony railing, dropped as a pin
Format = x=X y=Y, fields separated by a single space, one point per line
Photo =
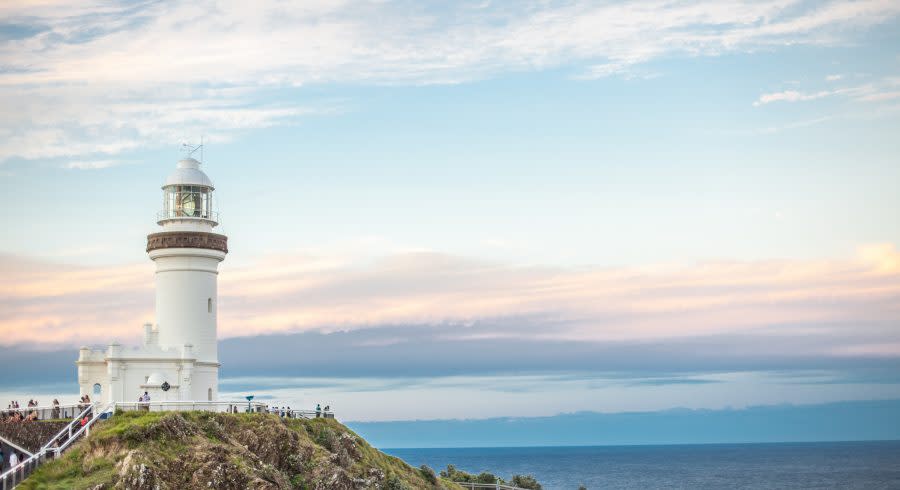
x=220 y=406
x=183 y=406
x=179 y=214
x=47 y=412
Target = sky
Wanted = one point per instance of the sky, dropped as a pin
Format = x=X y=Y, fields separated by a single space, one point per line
x=443 y=210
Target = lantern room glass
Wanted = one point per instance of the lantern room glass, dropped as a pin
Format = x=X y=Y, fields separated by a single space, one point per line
x=187 y=201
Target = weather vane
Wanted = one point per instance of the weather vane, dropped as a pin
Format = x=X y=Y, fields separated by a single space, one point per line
x=189 y=150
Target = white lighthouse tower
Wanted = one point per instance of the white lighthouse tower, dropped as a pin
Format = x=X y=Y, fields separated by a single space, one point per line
x=187 y=255
x=179 y=357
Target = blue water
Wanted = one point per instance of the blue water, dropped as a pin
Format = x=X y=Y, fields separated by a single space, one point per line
x=869 y=465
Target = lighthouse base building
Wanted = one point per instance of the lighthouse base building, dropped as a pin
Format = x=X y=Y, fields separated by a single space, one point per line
x=178 y=359
x=166 y=374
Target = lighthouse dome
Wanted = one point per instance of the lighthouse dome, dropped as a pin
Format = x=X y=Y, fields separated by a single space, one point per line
x=188 y=173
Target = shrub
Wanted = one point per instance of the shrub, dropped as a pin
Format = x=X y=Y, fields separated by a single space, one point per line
x=428 y=474
x=453 y=474
x=327 y=438
x=395 y=483
x=525 y=481
x=485 y=477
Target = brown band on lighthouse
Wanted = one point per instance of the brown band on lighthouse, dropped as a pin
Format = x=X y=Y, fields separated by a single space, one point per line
x=187 y=239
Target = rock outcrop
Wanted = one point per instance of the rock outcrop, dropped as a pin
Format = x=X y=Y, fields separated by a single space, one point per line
x=183 y=450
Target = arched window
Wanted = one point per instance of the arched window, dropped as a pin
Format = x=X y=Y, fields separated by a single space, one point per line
x=209 y=394
x=97 y=389
x=209 y=305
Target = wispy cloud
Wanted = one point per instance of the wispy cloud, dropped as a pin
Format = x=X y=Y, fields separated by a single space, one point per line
x=881 y=96
x=791 y=96
x=879 y=90
x=90 y=80
x=794 y=125
x=477 y=300
x=92 y=164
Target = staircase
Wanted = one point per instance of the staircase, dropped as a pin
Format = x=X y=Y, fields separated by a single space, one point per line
x=52 y=448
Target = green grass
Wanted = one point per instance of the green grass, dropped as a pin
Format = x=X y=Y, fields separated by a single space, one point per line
x=70 y=472
x=182 y=449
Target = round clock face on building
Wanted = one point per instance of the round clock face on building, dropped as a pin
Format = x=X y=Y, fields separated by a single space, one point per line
x=187 y=204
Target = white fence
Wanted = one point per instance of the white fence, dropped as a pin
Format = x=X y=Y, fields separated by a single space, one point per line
x=486 y=486
x=303 y=414
x=48 y=412
x=183 y=406
x=222 y=407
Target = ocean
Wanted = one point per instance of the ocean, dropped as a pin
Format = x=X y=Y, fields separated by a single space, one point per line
x=844 y=465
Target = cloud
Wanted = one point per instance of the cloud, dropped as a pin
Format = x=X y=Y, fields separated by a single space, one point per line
x=881 y=96
x=110 y=124
x=794 y=125
x=781 y=309
x=877 y=91
x=91 y=80
x=791 y=96
x=92 y=164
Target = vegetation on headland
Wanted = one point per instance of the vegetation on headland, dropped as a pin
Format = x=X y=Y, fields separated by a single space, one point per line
x=185 y=450
x=521 y=481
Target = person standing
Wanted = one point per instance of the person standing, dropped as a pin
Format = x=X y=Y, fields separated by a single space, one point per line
x=20 y=461
x=1 y=460
x=13 y=459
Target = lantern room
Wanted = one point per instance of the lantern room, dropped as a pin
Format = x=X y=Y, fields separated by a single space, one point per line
x=188 y=195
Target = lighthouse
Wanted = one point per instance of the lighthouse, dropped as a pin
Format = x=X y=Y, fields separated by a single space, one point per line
x=187 y=255
x=178 y=358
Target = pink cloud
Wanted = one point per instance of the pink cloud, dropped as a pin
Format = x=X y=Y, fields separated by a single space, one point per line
x=51 y=303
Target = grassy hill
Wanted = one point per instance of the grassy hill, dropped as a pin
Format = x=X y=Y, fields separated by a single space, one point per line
x=182 y=450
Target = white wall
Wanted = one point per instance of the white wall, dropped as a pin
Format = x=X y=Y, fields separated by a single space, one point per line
x=90 y=374
x=124 y=379
x=186 y=280
x=205 y=377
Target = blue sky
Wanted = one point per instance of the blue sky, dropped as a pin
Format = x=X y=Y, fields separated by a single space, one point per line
x=709 y=187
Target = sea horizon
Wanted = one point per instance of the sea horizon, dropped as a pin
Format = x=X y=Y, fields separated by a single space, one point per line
x=788 y=465
x=538 y=446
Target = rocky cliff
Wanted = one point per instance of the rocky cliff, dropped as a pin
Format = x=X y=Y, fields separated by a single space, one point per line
x=160 y=450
